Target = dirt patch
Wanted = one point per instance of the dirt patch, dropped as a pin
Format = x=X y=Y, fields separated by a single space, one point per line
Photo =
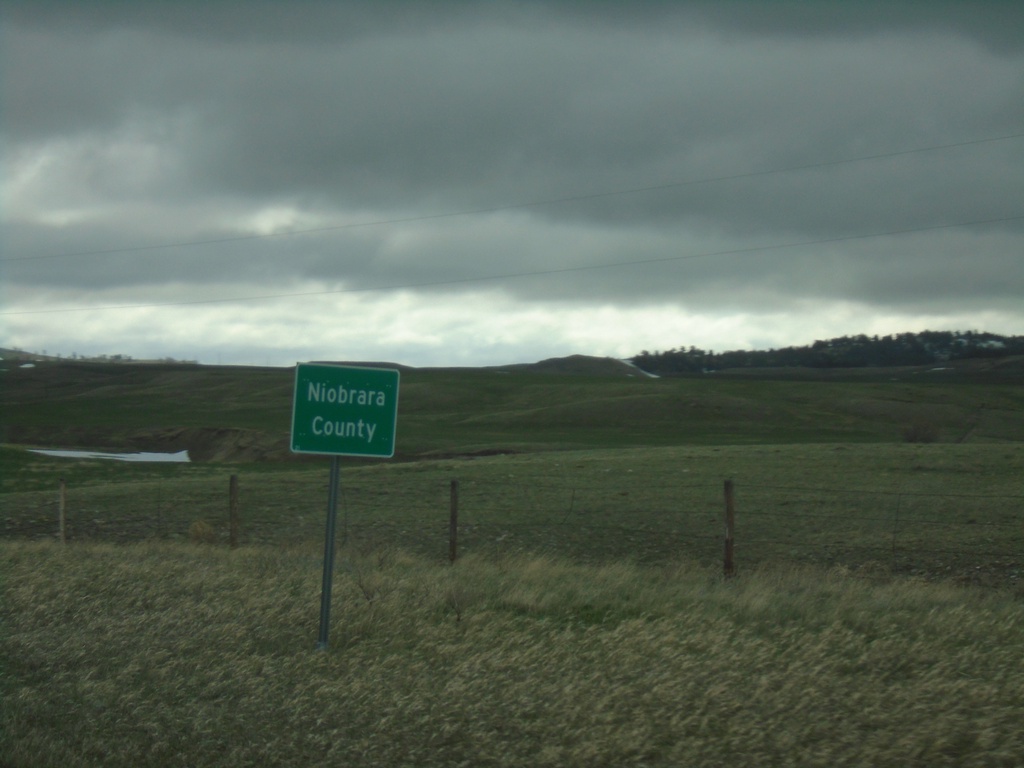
x=222 y=443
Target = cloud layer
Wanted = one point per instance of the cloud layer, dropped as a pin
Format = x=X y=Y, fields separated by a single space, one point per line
x=514 y=179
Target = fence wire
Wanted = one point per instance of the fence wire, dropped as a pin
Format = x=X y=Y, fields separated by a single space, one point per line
x=970 y=537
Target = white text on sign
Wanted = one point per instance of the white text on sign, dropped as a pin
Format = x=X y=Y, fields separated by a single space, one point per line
x=362 y=429
x=319 y=392
x=325 y=393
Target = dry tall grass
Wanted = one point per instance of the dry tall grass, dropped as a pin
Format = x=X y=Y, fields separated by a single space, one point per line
x=170 y=654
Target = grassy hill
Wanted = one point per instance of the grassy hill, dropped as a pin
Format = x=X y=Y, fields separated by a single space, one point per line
x=244 y=412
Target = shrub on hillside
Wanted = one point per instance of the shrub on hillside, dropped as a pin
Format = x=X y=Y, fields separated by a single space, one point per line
x=201 y=532
x=920 y=432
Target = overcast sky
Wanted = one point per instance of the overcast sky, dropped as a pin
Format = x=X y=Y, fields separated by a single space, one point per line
x=435 y=183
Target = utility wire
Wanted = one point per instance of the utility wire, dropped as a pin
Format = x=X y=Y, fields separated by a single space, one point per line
x=514 y=206
x=531 y=273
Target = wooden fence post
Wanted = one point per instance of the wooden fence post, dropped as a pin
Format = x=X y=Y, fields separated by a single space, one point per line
x=453 y=523
x=729 y=565
x=895 y=527
x=62 y=511
x=233 y=522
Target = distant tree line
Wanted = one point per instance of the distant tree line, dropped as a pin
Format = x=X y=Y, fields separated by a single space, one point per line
x=859 y=351
x=18 y=354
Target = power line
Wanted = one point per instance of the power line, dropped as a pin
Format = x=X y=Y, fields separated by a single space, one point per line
x=531 y=273
x=514 y=206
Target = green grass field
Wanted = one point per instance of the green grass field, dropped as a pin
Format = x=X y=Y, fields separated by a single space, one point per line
x=171 y=654
x=875 y=618
x=936 y=511
x=472 y=410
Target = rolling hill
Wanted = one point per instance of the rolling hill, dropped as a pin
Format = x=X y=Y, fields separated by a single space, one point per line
x=243 y=413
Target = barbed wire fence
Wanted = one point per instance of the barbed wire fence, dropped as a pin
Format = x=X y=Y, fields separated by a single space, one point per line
x=968 y=537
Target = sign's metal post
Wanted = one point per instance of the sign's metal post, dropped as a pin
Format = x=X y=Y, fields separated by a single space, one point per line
x=332 y=517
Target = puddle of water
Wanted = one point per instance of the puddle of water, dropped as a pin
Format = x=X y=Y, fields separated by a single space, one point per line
x=180 y=456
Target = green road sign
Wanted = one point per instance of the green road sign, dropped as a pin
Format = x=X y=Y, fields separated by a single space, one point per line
x=344 y=411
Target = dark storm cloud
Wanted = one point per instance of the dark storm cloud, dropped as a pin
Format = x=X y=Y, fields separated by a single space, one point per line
x=157 y=123
x=995 y=24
